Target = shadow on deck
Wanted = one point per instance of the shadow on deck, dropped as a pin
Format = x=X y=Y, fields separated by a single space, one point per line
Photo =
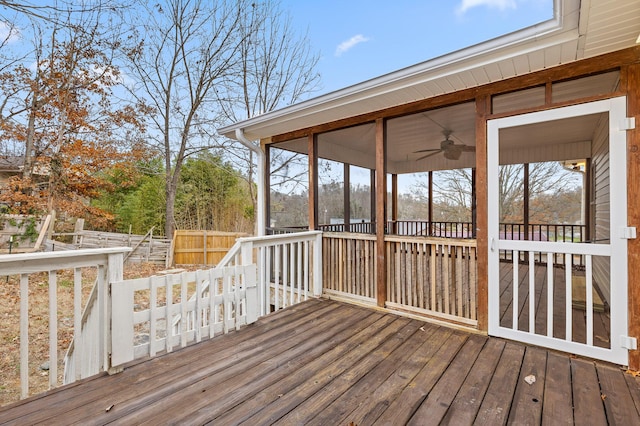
x=325 y=362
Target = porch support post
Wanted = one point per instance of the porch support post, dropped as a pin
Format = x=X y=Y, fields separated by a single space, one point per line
x=381 y=210
x=632 y=76
x=313 y=181
x=347 y=198
x=394 y=204
x=483 y=107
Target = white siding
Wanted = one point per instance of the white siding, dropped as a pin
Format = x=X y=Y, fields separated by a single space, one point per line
x=600 y=211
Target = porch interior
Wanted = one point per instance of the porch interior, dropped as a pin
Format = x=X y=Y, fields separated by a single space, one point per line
x=326 y=362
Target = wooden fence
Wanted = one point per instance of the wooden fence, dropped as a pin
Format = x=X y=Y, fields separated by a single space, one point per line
x=202 y=247
x=145 y=248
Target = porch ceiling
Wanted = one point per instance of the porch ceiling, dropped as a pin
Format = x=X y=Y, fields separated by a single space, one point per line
x=566 y=139
x=580 y=29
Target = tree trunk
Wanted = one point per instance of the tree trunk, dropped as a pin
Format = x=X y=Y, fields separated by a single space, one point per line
x=27 y=169
x=170 y=220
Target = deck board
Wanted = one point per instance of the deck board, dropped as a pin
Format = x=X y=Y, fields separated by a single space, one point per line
x=326 y=362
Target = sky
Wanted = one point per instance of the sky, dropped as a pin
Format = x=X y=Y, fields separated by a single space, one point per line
x=363 y=39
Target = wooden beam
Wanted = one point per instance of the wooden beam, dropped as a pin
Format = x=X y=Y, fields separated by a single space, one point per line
x=632 y=78
x=483 y=107
x=347 y=197
x=581 y=68
x=381 y=211
x=313 y=181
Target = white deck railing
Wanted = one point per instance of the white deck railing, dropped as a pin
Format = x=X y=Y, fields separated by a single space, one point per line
x=91 y=332
x=289 y=266
x=258 y=275
x=160 y=313
x=109 y=327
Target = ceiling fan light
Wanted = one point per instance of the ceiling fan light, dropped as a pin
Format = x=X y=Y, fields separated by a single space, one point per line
x=452 y=153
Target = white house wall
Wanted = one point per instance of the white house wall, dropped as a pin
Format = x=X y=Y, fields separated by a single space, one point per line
x=601 y=204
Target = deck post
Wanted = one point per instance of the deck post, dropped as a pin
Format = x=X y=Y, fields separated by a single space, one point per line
x=631 y=75
x=317 y=266
x=313 y=181
x=115 y=272
x=381 y=211
x=483 y=107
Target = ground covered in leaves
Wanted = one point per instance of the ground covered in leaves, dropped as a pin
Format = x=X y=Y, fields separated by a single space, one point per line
x=39 y=325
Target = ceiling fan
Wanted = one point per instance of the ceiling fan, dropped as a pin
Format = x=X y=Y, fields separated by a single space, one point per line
x=449 y=148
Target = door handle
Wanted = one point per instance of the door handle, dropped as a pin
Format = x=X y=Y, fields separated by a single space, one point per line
x=492 y=244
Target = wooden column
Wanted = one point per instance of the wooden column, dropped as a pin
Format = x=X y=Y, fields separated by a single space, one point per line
x=631 y=75
x=394 y=204
x=347 y=198
x=482 y=109
x=313 y=181
x=381 y=211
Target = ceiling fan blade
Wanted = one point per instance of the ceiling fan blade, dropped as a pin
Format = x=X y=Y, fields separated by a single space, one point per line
x=429 y=155
x=468 y=148
x=428 y=150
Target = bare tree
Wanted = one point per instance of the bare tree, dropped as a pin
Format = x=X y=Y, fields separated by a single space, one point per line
x=183 y=52
x=275 y=68
x=453 y=188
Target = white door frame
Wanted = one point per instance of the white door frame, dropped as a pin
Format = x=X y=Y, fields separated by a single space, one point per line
x=616 y=249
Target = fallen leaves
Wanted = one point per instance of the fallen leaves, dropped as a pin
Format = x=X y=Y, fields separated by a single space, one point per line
x=633 y=373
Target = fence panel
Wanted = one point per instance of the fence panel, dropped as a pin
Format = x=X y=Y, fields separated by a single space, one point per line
x=202 y=247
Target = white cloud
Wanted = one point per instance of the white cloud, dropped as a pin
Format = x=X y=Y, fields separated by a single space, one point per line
x=8 y=33
x=496 y=4
x=348 y=44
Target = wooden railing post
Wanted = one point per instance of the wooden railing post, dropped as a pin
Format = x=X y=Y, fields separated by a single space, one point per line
x=317 y=266
x=114 y=272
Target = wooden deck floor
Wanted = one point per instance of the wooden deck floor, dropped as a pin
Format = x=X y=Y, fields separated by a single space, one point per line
x=324 y=362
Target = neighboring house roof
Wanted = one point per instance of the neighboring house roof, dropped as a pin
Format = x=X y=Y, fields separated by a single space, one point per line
x=579 y=29
x=11 y=163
